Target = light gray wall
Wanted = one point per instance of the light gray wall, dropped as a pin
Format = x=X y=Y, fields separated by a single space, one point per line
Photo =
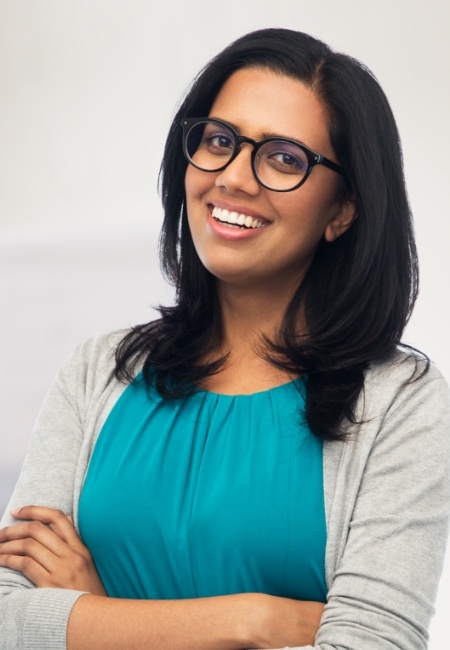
x=87 y=91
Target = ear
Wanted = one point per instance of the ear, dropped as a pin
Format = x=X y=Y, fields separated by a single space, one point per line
x=341 y=221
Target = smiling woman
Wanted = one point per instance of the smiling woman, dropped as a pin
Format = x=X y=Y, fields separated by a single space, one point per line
x=265 y=465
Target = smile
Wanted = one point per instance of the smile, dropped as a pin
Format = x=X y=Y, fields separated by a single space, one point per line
x=236 y=219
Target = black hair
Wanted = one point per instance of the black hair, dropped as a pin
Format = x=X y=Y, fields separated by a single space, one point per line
x=359 y=290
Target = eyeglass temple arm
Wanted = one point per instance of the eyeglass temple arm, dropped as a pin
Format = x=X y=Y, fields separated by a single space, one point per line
x=321 y=160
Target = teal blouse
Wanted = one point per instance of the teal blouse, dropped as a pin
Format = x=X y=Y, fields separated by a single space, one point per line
x=207 y=495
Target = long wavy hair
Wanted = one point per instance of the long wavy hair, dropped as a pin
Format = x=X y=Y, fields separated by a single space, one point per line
x=359 y=290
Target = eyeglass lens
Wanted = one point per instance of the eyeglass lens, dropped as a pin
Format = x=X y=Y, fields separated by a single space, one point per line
x=279 y=164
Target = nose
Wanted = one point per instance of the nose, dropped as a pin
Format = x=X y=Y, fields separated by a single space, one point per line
x=238 y=175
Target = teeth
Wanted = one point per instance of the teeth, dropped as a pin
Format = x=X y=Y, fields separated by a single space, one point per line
x=235 y=219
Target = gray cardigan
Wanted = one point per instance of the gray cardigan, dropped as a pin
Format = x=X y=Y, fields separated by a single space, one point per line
x=387 y=494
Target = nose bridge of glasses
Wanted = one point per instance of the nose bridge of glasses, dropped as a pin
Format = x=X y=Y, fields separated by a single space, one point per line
x=243 y=139
x=239 y=141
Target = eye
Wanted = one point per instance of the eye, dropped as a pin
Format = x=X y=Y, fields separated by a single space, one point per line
x=217 y=141
x=285 y=157
x=220 y=142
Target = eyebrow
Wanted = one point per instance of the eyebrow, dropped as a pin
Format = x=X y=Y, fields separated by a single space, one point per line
x=264 y=135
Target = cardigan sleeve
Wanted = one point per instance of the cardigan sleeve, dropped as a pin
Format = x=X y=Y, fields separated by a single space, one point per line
x=392 y=496
x=52 y=473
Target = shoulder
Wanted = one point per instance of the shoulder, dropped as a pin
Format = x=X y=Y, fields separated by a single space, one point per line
x=401 y=366
x=98 y=348
x=402 y=412
x=406 y=378
x=403 y=415
x=95 y=356
x=87 y=375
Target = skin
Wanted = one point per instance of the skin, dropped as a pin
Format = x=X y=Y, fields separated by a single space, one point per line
x=256 y=273
x=48 y=550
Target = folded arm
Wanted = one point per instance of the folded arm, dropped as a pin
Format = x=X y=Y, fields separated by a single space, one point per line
x=47 y=550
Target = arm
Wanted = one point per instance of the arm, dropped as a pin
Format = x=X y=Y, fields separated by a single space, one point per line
x=219 y=623
x=47 y=550
x=48 y=477
x=388 y=516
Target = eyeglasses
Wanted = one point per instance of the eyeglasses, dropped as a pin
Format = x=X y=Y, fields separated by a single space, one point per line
x=278 y=164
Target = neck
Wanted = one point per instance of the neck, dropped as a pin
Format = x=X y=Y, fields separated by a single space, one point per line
x=247 y=314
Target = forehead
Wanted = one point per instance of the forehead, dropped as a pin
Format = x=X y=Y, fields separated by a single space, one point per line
x=259 y=101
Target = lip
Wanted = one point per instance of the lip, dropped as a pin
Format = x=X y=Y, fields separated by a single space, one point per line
x=233 y=234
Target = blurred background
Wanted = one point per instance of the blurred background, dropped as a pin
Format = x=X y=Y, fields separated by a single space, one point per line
x=87 y=92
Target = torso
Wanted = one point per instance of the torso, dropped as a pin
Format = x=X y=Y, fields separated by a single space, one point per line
x=207 y=495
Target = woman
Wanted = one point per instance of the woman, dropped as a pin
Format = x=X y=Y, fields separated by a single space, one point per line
x=264 y=466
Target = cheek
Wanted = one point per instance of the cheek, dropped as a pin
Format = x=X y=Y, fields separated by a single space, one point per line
x=194 y=192
x=188 y=180
x=318 y=205
x=196 y=183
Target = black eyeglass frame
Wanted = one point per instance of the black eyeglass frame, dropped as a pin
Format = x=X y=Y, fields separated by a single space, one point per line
x=313 y=157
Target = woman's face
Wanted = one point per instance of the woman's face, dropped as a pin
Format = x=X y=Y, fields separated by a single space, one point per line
x=260 y=103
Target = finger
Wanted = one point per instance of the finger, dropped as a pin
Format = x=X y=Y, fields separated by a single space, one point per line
x=31 y=535
x=58 y=522
x=43 y=534
x=47 y=570
x=52 y=520
x=32 y=570
x=49 y=516
x=33 y=550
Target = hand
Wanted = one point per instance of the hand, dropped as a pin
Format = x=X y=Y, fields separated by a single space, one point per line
x=285 y=622
x=48 y=551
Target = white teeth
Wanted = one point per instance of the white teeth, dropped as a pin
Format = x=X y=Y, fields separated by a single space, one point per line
x=235 y=219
